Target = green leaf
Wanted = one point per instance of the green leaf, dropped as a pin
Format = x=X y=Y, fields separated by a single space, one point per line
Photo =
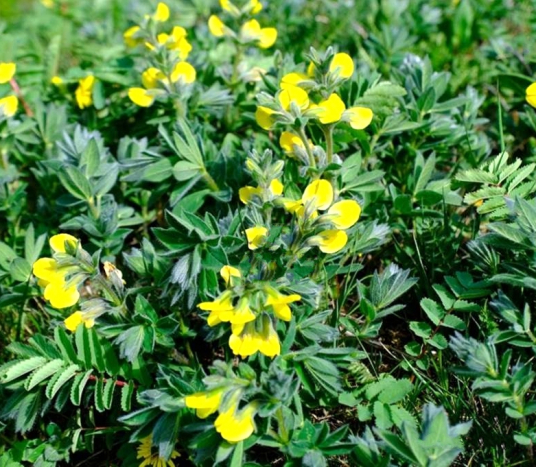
x=433 y=310
x=15 y=369
x=55 y=384
x=20 y=270
x=75 y=182
x=42 y=373
x=77 y=389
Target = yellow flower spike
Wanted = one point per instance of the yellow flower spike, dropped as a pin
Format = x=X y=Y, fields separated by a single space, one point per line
x=331 y=109
x=46 y=269
x=228 y=272
x=256 y=236
x=279 y=303
x=234 y=425
x=531 y=95
x=342 y=64
x=84 y=92
x=247 y=193
x=162 y=13
x=216 y=26
x=359 y=117
x=276 y=187
x=183 y=71
x=263 y=117
x=9 y=106
x=205 y=403
x=289 y=140
x=129 y=36
x=293 y=94
x=60 y=295
x=344 y=214
x=292 y=79
x=319 y=194
x=141 y=97
x=76 y=319
x=330 y=241
x=7 y=71
x=57 y=242
x=255 y=6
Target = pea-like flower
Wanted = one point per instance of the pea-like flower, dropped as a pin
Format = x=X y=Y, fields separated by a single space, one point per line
x=256 y=236
x=247 y=193
x=162 y=13
x=84 y=92
x=264 y=37
x=333 y=110
x=9 y=106
x=205 y=403
x=7 y=71
x=280 y=303
x=236 y=425
x=229 y=273
x=76 y=319
x=131 y=36
x=530 y=95
x=255 y=336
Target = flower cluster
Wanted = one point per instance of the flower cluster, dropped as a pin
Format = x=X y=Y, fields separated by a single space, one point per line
x=233 y=423
x=169 y=70
x=250 y=31
x=312 y=96
x=8 y=104
x=250 y=309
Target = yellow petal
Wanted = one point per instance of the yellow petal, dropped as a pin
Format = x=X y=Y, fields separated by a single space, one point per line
x=216 y=26
x=206 y=403
x=292 y=79
x=531 y=94
x=162 y=12
x=331 y=109
x=235 y=426
x=344 y=214
x=183 y=71
x=61 y=296
x=222 y=303
x=226 y=272
x=73 y=321
x=342 y=64
x=56 y=81
x=288 y=140
x=7 y=71
x=140 y=97
x=242 y=313
x=293 y=94
x=47 y=270
x=359 y=117
x=247 y=193
x=84 y=92
x=276 y=187
x=330 y=241
x=57 y=242
x=251 y=30
x=151 y=76
x=9 y=105
x=255 y=6
x=226 y=5
x=263 y=117
x=267 y=37
x=319 y=194
x=129 y=36
x=256 y=237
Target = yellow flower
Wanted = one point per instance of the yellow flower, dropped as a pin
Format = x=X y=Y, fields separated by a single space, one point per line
x=151 y=76
x=228 y=272
x=359 y=117
x=289 y=140
x=330 y=110
x=145 y=452
x=205 y=403
x=255 y=6
x=292 y=79
x=84 y=92
x=531 y=94
x=221 y=309
x=263 y=117
x=47 y=270
x=265 y=37
x=57 y=242
x=141 y=97
x=256 y=236
x=344 y=214
x=56 y=81
x=246 y=193
x=279 y=303
x=229 y=7
x=76 y=319
x=234 y=425
x=162 y=13
x=129 y=36
x=183 y=71
x=255 y=336
x=9 y=106
x=216 y=26
x=7 y=71
x=293 y=94
x=342 y=64
x=330 y=241
x=276 y=187
x=318 y=194
x=176 y=41
x=60 y=295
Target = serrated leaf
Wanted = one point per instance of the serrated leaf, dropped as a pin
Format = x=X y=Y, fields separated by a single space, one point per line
x=79 y=384
x=42 y=373
x=14 y=370
x=126 y=396
x=62 y=378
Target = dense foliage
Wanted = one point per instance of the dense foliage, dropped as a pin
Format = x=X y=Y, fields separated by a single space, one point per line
x=260 y=233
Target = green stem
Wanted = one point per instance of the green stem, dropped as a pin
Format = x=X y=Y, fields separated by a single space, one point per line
x=283 y=433
x=236 y=64
x=303 y=137
x=93 y=208
x=328 y=134
x=210 y=181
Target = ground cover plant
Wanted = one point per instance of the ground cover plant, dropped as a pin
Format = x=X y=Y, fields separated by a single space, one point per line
x=252 y=233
